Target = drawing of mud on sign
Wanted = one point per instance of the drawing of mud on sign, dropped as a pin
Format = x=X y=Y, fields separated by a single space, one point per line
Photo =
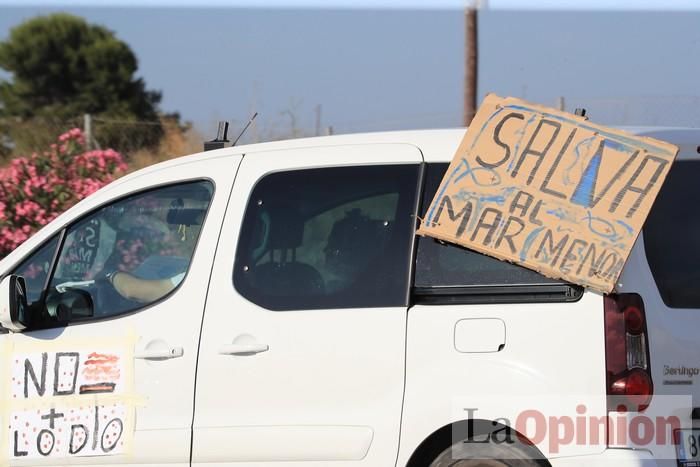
x=77 y=402
x=548 y=190
x=102 y=370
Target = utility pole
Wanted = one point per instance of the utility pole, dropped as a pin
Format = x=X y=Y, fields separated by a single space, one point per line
x=317 y=111
x=87 y=129
x=471 y=51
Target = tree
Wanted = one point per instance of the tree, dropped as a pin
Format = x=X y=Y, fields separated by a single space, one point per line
x=62 y=67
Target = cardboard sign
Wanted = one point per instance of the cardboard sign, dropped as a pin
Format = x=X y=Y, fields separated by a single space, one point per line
x=549 y=190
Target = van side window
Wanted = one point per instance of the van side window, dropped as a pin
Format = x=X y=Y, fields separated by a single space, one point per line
x=671 y=235
x=328 y=238
x=123 y=256
x=444 y=269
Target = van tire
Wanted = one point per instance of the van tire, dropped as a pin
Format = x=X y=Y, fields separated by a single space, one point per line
x=463 y=454
x=477 y=443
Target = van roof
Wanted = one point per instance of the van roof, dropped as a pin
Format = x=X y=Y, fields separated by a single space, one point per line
x=437 y=145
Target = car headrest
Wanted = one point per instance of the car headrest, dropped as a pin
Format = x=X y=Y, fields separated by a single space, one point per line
x=286 y=227
x=355 y=235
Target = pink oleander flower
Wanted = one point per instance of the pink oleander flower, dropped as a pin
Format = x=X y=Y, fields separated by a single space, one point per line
x=34 y=190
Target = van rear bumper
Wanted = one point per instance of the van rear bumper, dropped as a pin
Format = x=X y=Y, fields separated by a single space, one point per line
x=613 y=457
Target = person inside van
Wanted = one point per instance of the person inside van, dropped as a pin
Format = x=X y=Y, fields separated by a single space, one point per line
x=133 y=252
x=163 y=269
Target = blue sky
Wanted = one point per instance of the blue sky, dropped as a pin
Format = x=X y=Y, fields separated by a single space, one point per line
x=399 y=4
x=384 y=69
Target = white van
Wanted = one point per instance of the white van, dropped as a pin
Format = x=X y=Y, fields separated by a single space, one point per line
x=271 y=305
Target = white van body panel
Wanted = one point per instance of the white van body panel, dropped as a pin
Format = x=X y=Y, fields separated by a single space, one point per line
x=672 y=332
x=162 y=432
x=329 y=387
x=537 y=369
x=383 y=379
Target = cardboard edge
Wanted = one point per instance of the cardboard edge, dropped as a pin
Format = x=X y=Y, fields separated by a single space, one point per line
x=526 y=264
x=671 y=148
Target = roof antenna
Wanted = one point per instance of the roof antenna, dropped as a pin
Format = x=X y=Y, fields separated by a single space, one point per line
x=245 y=128
x=220 y=140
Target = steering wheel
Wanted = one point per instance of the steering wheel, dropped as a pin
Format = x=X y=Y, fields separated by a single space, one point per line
x=86 y=300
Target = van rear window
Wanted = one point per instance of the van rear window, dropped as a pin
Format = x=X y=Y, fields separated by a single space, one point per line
x=447 y=273
x=672 y=237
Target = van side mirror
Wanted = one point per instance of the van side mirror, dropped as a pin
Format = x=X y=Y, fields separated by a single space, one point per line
x=13 y=303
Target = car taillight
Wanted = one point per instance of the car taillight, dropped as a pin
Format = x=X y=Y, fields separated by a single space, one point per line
x=629 y=383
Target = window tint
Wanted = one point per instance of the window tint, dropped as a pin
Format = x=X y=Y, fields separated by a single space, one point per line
x=36 y=268
x=328 y=238
x=441 y=264
x=671 y=235
x=127 y=254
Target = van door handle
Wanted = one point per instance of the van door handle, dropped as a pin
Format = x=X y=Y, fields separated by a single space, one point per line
x=160 y=354
x=243 y=349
